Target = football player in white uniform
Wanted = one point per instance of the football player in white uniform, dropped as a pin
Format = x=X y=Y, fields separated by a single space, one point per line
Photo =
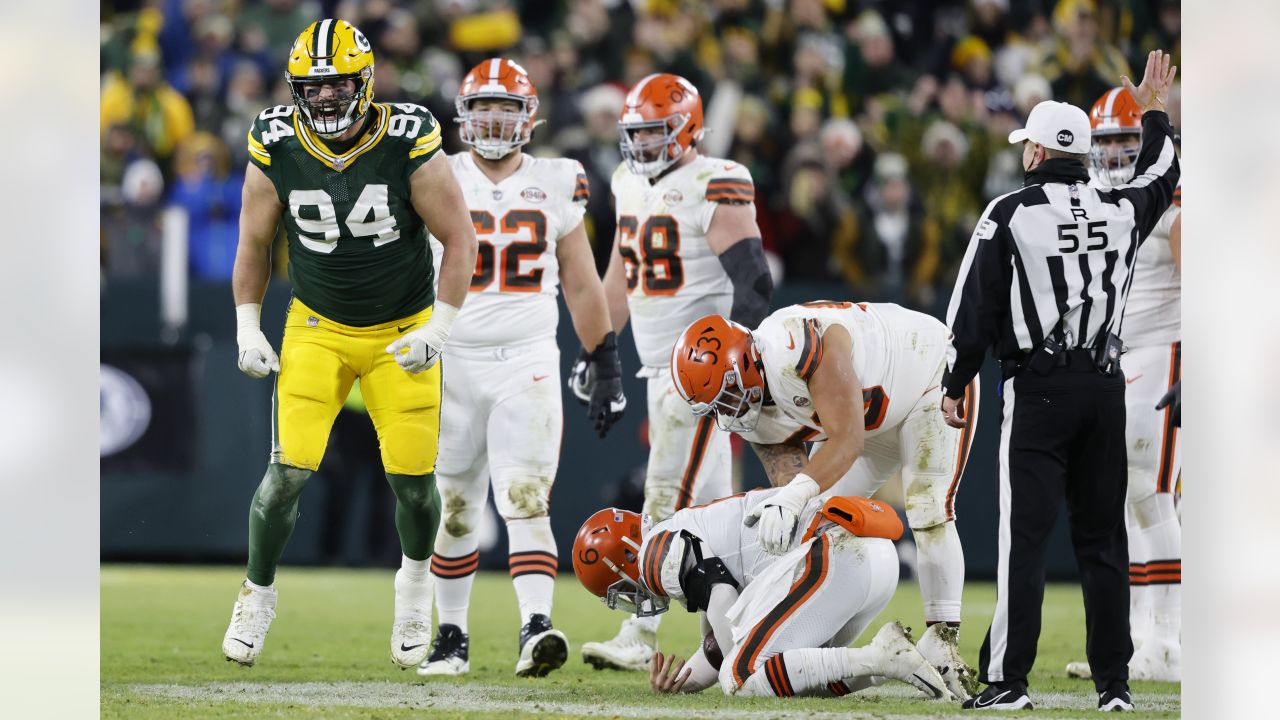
x=773 y=626
x=800 y=377
x=687 y=245
x=502 y=416
x=1152 y=332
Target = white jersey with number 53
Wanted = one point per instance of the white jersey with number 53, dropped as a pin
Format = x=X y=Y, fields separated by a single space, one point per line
x=897 y=354
x=673 y=277
x=518 y=223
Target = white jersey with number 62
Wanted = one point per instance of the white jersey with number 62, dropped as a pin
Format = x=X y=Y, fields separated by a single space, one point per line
x=518 y=223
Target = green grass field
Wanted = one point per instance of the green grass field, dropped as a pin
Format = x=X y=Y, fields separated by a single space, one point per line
x=327 y=657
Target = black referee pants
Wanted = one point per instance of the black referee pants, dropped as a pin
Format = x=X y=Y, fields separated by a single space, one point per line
x=1062 y=435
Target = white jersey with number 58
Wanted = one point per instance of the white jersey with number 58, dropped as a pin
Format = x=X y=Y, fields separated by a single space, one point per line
x=518 y=223
x=673 y=277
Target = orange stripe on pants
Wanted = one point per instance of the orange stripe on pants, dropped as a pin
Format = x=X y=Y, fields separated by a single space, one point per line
x=966 y=441
x=1168 y=446
x=815 y=571
x=701 y=439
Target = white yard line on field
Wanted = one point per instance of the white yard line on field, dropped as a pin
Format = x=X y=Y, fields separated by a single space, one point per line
x=475 y=697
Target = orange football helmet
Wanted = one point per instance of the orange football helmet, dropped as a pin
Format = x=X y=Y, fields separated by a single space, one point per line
x=659 y=102
x=495 y=134
x=606 y=559
x=716 y=367
x=1116 y=125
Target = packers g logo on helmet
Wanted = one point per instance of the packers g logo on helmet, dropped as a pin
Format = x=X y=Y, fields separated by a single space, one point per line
x=330 y=52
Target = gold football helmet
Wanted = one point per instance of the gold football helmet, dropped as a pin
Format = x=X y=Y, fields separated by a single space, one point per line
x=326 y=54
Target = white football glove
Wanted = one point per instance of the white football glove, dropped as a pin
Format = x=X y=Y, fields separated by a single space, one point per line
x=779 y=515
x=420 y=349
x=256 y=358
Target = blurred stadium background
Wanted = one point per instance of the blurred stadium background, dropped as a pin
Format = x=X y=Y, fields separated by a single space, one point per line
x=875 y=132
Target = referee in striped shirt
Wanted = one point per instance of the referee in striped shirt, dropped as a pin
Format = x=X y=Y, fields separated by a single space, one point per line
x=1044 y=284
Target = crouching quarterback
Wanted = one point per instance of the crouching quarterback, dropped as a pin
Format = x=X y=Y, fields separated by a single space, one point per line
x=863 y=380
x=786 y=621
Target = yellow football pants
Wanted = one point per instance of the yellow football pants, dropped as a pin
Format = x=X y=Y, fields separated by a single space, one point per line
x=319 y=361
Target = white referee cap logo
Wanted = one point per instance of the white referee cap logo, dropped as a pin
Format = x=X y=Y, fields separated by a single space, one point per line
x=1058 y=125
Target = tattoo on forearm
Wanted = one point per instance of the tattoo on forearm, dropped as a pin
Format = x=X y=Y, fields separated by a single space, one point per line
x=781 y=462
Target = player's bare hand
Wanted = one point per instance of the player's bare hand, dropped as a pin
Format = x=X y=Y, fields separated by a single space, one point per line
x=667 y=673
x=953 y=412
x=1156 y=81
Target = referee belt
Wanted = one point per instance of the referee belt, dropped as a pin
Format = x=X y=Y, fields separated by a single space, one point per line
x=1076 y=359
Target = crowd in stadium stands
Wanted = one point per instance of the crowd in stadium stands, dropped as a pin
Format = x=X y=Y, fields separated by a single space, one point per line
x=875 y=130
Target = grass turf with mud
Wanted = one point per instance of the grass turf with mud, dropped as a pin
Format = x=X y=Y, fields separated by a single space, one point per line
x=327 y=656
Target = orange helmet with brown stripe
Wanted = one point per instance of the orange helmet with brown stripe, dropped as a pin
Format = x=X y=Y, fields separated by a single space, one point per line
x=606 y=557
x=716 y=367
x=661 y=121
x=494 y=134
x=1115 y=123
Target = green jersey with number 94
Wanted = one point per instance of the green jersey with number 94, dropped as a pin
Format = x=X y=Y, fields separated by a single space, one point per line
x=358 y=252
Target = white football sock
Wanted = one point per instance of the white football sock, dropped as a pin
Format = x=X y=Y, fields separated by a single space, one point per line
x=532 y=563
x=259 y=588
x=414 y=569
x=814 y=671
x=1161 y=535
x=454 y=564
x=650 y=623
x=940 y=563
x=1139 y=602
x=1164 y=580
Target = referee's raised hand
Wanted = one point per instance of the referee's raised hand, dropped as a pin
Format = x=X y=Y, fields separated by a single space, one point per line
x=1156 y=81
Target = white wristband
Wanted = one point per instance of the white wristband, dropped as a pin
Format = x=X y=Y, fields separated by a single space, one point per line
x=442 y=317
x=805 y=485
x=248 y=317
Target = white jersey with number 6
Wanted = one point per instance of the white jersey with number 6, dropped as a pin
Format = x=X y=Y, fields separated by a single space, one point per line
x=518 y=223
x=673 y=277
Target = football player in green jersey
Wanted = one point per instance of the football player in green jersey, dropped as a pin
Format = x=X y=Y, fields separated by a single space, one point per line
x=358 y=185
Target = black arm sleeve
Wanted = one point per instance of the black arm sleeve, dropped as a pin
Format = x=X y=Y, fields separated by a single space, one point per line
x=1155 y=174
x=752 y=284
x=980 y=298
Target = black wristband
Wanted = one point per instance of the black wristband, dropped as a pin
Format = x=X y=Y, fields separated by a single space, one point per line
x=605 y=358
x=745 y=264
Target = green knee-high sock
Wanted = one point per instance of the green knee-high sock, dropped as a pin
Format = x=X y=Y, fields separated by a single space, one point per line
x=271 y=518
x=417 y=513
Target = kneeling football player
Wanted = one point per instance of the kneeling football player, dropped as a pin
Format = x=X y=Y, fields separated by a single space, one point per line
x=786 y=620
x=798 y=379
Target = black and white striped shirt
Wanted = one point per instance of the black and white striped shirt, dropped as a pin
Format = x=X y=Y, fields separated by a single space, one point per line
x=1056 y=250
